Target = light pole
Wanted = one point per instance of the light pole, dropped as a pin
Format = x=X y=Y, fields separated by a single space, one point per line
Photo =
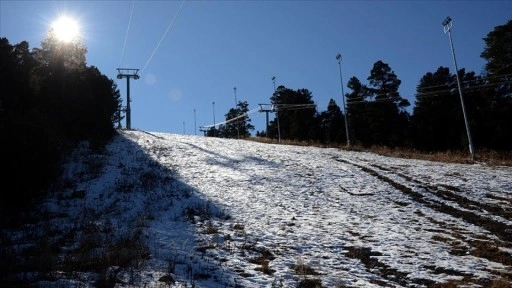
x=236 y=115
x=213 y=118
x=277 y=113
x=447 y=24
x=338 y=57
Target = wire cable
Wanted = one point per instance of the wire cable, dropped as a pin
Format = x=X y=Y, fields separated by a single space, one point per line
x=435 y=93
x=126 y=36
x=163 y=36
x=232 y=119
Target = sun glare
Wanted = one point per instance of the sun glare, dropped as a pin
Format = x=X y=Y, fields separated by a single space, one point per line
x=66 y=29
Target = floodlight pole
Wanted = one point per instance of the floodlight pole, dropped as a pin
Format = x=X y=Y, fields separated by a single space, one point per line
x=213 y=119
x=338 y=57
x=447 y=24
x=277 y=112
x=195 y=125
x=130 y=73
x=236 y=115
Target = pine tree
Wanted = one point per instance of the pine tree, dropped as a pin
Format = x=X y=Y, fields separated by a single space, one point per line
x=238 y=124
x=332 y=124
x=437 y=120
x=297 y=114
x=498 y=54
x=387 y=118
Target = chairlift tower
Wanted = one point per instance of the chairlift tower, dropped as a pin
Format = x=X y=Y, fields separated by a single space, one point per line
x=262 y=109
x=204 y=130
x=128 y=73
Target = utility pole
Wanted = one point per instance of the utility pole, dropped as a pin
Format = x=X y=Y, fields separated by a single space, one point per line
x=128 y=73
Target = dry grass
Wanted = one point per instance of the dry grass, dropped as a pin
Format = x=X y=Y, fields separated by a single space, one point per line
x=488 y=157
x=483 y=156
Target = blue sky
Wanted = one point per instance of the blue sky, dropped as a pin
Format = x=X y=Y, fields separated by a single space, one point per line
x=193 y=53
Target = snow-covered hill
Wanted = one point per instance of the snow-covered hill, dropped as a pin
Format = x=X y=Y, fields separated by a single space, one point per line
x=233 y=213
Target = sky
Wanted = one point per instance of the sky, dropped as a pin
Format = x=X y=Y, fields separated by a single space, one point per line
x=212 y=206
x=192 y=54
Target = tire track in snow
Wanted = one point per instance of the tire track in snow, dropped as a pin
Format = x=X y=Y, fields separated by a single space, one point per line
x=468 y=213
x=454 y=194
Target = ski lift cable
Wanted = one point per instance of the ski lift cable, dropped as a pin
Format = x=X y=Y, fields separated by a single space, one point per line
x=126 y=36
x=163 y=36
x=289 y=107
x=421 y=95
x=360 y=99
x=484 y=79
x=232 y=119
x=293 y=106
x=424 y=95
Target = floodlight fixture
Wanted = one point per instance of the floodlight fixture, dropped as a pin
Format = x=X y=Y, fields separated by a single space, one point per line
x=338 y=57
x=447 y=24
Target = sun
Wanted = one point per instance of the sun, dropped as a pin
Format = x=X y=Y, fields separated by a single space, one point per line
x=66 y=29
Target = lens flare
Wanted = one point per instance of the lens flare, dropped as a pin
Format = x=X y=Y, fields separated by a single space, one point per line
x=66 y=28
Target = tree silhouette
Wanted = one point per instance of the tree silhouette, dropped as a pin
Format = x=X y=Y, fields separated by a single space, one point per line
x=377 y=112
x=498 y=51
x=437 y=120
x=238 y=123
x=297 y=114
x=58 y=54
x=50 y=101
x=498 y=69
x=332 y=124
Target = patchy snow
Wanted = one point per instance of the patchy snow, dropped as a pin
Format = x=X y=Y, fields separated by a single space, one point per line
x=235 y=213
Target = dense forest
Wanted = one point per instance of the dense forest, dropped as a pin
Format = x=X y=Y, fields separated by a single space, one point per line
x=52 y=100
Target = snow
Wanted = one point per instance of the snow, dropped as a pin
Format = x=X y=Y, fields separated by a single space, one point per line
x=211 y=210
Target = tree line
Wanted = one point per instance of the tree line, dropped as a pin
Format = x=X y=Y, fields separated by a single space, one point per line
x=50 y=101
x=376 y=114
